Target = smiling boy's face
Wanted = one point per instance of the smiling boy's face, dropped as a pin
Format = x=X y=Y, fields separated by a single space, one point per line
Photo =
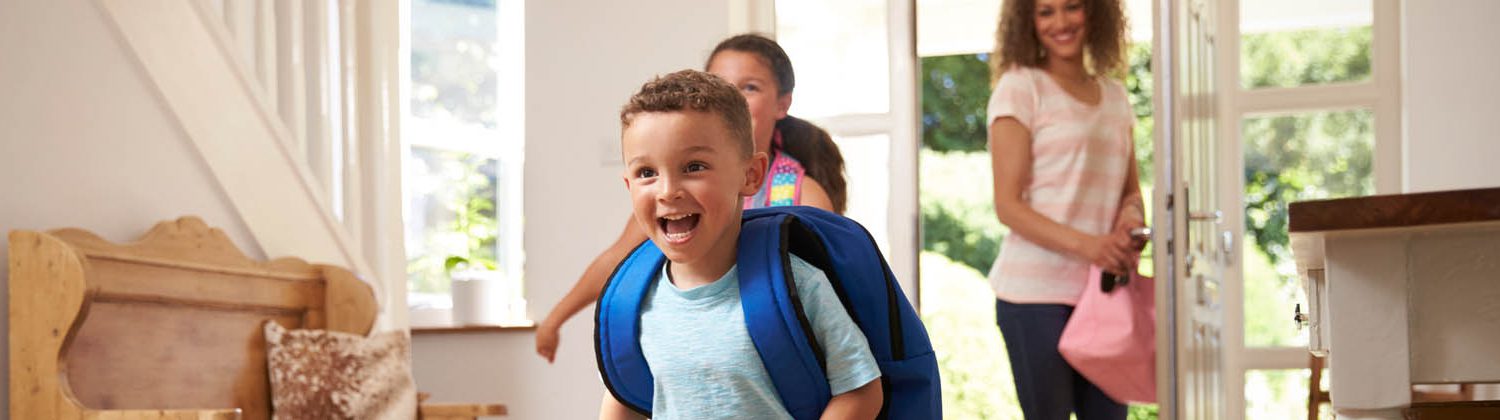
x=687 y=180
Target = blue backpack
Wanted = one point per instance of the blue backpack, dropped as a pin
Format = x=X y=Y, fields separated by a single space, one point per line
x=774 y=318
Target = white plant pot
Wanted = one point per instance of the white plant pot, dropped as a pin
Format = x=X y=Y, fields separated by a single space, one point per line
x=478 y=298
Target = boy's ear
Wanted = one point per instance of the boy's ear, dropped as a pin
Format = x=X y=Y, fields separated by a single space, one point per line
x=755 y=174
x=783 y=104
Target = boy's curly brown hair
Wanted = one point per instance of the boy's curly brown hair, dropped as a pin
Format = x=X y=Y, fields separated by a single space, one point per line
x=692 y=90
x=1016 y=42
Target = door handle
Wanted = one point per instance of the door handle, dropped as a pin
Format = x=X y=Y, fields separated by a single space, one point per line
x=1215 y=216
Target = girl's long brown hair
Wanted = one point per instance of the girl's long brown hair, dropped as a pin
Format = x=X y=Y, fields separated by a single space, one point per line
x=1016 y=43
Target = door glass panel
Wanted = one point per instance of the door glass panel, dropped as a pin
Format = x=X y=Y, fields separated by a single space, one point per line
x=1287 y=43
x=1305 y=156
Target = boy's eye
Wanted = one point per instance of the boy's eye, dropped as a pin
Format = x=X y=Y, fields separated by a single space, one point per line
x=750 y=88
x=645 y=173
x=695 y=167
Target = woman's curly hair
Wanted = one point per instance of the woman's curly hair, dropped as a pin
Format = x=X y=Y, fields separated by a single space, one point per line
x=1016 y=43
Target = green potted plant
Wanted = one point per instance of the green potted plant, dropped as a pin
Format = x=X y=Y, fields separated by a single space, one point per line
x=477 y=286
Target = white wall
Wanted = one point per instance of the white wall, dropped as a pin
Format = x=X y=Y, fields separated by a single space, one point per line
x=85 y=140
x=1450 y=94
x=583 y=59
x=1450 y=100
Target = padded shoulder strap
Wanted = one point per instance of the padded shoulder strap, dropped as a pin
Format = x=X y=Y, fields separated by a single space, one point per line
x=617 y=328
x=774 y=318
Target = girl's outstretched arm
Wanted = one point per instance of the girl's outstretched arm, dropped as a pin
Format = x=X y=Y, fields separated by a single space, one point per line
x=861 y=403
x=586 y=291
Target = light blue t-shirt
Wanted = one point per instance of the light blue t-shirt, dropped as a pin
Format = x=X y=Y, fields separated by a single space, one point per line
x=705 y=365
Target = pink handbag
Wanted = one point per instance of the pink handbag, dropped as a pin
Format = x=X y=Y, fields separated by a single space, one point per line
x=1111 y=338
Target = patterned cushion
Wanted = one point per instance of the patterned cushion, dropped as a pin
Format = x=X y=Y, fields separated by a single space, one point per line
x=317 y=374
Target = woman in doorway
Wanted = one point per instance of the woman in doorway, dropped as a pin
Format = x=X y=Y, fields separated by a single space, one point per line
x=806 y=167
x=1064 y=183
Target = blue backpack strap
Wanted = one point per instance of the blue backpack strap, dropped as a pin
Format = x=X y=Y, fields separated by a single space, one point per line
x=774 y=318
x=847 y=253
x=617 y=328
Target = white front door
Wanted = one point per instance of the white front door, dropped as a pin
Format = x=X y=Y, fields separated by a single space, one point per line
x=1190 y=322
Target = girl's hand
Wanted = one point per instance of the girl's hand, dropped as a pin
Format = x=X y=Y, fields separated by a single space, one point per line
x=546 y=341
x=1110 y=252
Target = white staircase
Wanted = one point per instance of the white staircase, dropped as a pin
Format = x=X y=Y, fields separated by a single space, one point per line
x=292 y=105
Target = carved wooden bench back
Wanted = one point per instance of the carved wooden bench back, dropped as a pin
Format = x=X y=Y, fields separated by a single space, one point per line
x=172 y=321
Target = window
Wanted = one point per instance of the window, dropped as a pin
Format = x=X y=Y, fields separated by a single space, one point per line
x=1313 y=108
x=1293 y=157
x=1289 y=43
x=462 y=161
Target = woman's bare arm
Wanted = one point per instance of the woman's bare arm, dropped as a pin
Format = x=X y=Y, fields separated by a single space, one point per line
x=1010 y=159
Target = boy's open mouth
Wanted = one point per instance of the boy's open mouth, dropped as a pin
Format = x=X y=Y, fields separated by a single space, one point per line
x=678 y=227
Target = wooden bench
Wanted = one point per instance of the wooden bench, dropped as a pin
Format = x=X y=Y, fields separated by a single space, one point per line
x=168 y=327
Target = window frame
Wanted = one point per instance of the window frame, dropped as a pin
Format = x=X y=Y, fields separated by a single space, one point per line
x=1381 y=94
x=504 y=143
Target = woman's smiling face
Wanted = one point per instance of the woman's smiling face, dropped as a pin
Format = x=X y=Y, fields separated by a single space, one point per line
x=1061 y=26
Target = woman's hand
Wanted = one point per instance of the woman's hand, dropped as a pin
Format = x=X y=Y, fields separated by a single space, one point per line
x=546 y=341
x=1126 y=222
x=1111 y=252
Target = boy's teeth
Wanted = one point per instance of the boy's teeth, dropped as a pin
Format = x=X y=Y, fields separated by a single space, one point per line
x=679 y=226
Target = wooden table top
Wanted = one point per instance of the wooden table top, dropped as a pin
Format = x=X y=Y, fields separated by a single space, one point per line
x=1396 y=210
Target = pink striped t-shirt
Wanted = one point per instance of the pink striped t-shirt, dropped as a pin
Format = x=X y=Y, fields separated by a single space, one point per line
x=1080 y=155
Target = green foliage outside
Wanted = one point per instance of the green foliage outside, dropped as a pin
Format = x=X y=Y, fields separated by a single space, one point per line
x=960 y=317
x=955 y=90
x=958 y=216
x=1305 y=57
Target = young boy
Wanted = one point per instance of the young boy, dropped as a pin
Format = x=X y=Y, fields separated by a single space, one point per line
x=689 y=161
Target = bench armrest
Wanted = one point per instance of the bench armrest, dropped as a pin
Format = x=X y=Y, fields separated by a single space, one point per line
x=431 y=411
x=179 y=414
